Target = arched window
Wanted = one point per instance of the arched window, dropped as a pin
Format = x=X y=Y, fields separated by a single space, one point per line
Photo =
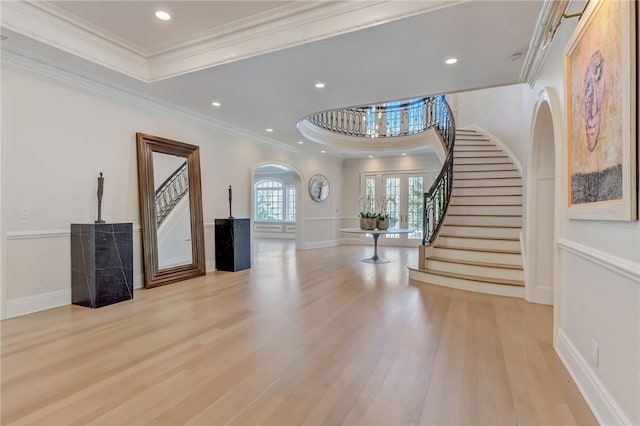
x=274 y=202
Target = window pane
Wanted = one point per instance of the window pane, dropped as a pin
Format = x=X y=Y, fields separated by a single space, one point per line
x=415 y=218
x=370 y=194
x=269 y=195
x=416 y=115
x=392 y=194
x=393 y=118
x=291 y=204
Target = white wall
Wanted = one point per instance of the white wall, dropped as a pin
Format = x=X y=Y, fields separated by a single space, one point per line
x=503 y=111
x=57 y=136
x=599 y=297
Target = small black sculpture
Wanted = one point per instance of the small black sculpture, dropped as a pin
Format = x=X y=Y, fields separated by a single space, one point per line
x=230 y=196
x=100 y=192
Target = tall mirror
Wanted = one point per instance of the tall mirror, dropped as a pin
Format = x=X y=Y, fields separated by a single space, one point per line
x=171 y=210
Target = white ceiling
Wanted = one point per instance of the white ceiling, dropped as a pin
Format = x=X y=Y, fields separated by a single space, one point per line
x=395 y=60
x=134 y=21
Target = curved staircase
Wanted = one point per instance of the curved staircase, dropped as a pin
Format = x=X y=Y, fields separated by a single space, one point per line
x=478 y=246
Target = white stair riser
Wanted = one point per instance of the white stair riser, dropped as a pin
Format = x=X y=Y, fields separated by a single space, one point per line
x=471 y=136
x=477 y=256
x=484 y=272
x=498 y=221
x=480 y=167
x=479 y=243
x=488 y=199
x=480 y=232
x=486 y=210
x=475 y=183
x=486 y=174
x=467 y=142
x=483 y=154
x=492 y=160
x=464 y=148
x=501 y=290
x=481 y=192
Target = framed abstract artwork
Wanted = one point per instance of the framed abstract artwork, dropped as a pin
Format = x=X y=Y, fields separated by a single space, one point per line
x=601 y=72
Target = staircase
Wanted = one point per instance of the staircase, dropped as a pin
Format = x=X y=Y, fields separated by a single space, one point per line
x=478 y=246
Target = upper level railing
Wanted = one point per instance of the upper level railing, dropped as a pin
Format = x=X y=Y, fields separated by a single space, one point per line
x=171 y=192
x=391 y=119
x=436 y=200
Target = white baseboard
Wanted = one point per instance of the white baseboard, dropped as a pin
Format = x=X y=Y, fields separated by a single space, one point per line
x=138 y=281
x=210 y=266
x=542 y=295
x=275 y=235
x=40 y=302
x=604 y=407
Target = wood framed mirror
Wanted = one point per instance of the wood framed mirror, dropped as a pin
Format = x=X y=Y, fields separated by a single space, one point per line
x=170 y=210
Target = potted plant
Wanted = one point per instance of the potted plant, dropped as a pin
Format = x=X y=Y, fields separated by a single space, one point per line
x=382 y=221
x=368 y=220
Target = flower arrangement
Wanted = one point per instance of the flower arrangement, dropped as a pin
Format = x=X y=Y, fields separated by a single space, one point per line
x=373 y=212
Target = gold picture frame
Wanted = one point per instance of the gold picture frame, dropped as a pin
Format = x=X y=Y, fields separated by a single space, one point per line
x=601 y=74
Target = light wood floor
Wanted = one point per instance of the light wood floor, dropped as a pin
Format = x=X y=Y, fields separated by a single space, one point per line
x=313 y=337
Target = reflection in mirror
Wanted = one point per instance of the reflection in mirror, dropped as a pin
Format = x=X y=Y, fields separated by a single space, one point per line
x=173 y=215
x=170 y=210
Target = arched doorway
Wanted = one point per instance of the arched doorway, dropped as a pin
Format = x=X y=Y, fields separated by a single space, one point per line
x=543 y=203
x=286 y=181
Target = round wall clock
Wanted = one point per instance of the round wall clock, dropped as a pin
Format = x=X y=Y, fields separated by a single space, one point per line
x=318 y=188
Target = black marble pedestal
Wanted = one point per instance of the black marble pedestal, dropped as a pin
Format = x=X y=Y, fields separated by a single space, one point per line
x=101 y=263
x=233 y=244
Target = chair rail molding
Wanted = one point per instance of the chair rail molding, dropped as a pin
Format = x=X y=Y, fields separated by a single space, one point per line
x=620 y=266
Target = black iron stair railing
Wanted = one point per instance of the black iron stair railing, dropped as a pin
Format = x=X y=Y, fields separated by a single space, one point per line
x=171 y=192
x=436 y=200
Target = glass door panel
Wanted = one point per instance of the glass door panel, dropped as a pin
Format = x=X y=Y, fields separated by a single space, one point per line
x=414 y=207
x=392 y=200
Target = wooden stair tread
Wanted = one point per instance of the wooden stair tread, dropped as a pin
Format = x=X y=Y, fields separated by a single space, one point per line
x=477 y=249
x=488 y=186
x=471 y=237
x=476 y=263
x=484 y=226
x=485 y=205
x=486 y=215
x=474 y=278
x=485 y=178
x=487 y=195
x=487 y=156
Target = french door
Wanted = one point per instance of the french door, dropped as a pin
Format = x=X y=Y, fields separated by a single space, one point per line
x=401 y=196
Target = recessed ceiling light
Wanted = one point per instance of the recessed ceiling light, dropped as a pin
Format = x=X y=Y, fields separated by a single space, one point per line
x=323 y=151
x=320 y=85
x=404 y=153
x=300 y=142
x=451 y=61
x=371 y=156
x=162 y=15
x=269 y=130
x=216 y=104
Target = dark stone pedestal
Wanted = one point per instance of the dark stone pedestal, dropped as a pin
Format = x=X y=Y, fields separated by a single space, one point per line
x=233 y=244
x=101 y=263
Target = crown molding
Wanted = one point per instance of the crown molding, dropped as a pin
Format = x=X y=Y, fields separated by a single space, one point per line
x=317 y=21
x=537 y=52
x=21 y=60
x=48 y=25
x=280 y=28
